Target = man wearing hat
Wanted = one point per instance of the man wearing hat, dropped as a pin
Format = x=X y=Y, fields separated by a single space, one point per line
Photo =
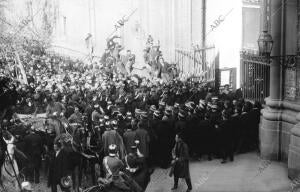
x=180 y=162
x=215 y=119
x=127 y=120
x=111 y=136
x=129 y=138
x=153 y=126
x=115 y=126
x=180 y=124
x=165 y=140
x=113 y=167
x=135 y=159
x=226 y=137
x=143 y=137
x=59 y=168
x=136 y=165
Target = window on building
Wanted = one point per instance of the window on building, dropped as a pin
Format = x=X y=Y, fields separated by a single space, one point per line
x=251 y=27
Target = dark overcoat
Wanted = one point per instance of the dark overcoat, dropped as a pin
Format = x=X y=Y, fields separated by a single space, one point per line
x=181 y=166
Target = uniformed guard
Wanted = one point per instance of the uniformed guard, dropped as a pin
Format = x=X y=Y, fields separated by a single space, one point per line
x=129 y=138
x=113 y=167
x=135 y=159
x=111 y=136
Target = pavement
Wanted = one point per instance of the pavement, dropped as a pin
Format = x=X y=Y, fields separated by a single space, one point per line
x=247 y=173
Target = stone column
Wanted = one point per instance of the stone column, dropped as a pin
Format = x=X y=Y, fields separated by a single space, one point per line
x=294 y=152
x=270 y=121
x=276 y=51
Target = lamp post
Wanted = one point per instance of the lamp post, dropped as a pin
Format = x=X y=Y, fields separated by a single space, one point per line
x=265 y=44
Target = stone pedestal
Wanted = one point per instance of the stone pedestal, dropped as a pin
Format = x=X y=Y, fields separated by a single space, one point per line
x=269 y=132
x=294 y=151
x=294 y=147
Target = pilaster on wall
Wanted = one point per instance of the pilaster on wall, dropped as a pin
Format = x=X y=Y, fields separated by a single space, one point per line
x=294 y=148
x=270 y=128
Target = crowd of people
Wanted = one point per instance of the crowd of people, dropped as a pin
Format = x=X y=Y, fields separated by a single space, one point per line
x=117 y=122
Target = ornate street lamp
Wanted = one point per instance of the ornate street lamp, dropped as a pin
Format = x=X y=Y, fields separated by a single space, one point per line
x=265 y=43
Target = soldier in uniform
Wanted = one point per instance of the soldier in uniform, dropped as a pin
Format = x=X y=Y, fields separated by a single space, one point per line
x=136 y=166
x=143 y=137
x=129 y=138
x=135 y=159
x=111 y=136
x=113 y=167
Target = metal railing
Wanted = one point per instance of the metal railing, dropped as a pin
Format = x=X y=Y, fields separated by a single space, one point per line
x=199 y=64
x=255 y=76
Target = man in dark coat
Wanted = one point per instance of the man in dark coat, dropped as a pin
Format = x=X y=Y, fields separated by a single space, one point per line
x=129 y=138
x=164 y=141
x=215 y=118
x=153 y=148
x=33 y=150
x=59 y=167
x=180 y=163
x=111 y=136
x=181 y=124
x=226 y=136
x=143 y=136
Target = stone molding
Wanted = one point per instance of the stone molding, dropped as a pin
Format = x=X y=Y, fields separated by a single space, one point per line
x=283 y=104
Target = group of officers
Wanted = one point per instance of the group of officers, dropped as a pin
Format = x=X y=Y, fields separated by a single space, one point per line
x=136 y=125
x=129 y=123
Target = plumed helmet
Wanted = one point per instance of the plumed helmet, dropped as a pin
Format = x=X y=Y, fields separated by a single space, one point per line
x=66 y=182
